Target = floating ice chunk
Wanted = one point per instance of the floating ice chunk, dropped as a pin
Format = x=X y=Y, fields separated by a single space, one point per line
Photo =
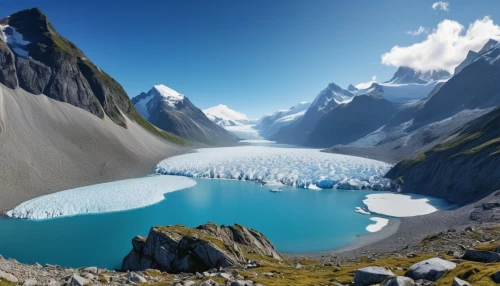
x=108 y=197
x=361 y=211
x=378 y=225
x=403 y=205
x=290 y=166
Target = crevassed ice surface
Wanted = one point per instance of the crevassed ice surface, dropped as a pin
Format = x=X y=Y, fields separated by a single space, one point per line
x=303 y=168
x=108 y=197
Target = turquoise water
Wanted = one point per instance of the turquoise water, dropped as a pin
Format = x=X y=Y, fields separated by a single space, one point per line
x=296 y=220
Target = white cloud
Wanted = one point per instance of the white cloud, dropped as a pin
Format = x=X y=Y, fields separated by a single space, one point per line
x=441 y=5
x=444 y=48
x=421 y=30
x=364 y=85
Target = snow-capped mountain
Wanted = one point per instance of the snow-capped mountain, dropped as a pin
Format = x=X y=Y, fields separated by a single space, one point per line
x=471 y=55
x=408 y=85
x=329 y=98
x=225 y=116
x=339 y=126
x=270 y=124
x=406 y=75
x=174 y=112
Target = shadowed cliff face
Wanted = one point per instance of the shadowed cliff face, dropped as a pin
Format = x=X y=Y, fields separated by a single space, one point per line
x=37 y=59
x=462 y=168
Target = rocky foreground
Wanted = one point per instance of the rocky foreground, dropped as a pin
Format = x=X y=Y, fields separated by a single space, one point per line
x=235 y=255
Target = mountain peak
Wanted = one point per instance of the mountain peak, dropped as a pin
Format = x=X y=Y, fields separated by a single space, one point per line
x=352 y=88
x=223 y=112
x=167 y=92
x=405 y=75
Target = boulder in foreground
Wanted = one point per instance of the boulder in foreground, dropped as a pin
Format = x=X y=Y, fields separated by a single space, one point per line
x=177 y=248
x=430 y=269
x=371 y=275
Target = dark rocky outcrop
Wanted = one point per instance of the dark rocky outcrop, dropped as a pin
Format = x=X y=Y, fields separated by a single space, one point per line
x=481 y=256
x=179 y=249
x=371 y=275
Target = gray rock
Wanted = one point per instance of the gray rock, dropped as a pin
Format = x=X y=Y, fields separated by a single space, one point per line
x=54 y=283
x=136 y=278
x=8 y=70
x=371 y=275
x=398 y=281
x=77 y=280
x=481 y=256
x=189 y=283
x=30 y=282
x=430 y=269
x=91 y=269
x=297 y=266
x=33 y=75
x=459 y=282
x=209 y=282
x=496 y=277
x=9 y=277
x=225 y=275
x=179 y=249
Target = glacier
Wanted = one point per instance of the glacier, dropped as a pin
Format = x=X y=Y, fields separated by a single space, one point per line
x=299 y=167
x=101 y=198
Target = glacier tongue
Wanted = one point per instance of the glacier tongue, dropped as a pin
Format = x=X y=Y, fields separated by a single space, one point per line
x=303 y=168
x=100 y=198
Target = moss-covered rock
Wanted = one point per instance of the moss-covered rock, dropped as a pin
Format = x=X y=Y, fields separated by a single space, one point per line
x=181 y=249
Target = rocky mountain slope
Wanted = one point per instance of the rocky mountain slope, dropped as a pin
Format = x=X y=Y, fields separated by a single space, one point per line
x=37 y=59
x=177 y=249
x=462 y=168
x=298 y=132
x=64 y=122
x=174 y=112
x=471 y=55
x=339 y=126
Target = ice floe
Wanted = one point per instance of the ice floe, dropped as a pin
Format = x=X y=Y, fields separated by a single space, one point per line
x=108 y=197
x=403 y=205
x=290 y=166
x=378 y=225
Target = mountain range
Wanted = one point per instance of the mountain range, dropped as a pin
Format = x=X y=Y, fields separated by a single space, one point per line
x=59 y=112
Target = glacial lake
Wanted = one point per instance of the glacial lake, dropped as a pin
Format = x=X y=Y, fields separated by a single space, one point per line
x=296 y=221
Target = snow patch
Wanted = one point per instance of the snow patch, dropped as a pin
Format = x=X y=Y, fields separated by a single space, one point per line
x=170 y=96
x=403 y=205
x=14 y=40
x=378 y=225
x=290 y=166
x=100 y=198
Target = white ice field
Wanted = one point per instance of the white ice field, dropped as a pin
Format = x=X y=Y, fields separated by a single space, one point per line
x=299 y=167
x=108 y=197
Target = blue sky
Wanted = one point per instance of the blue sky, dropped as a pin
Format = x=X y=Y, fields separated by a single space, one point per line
x=254 y=56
